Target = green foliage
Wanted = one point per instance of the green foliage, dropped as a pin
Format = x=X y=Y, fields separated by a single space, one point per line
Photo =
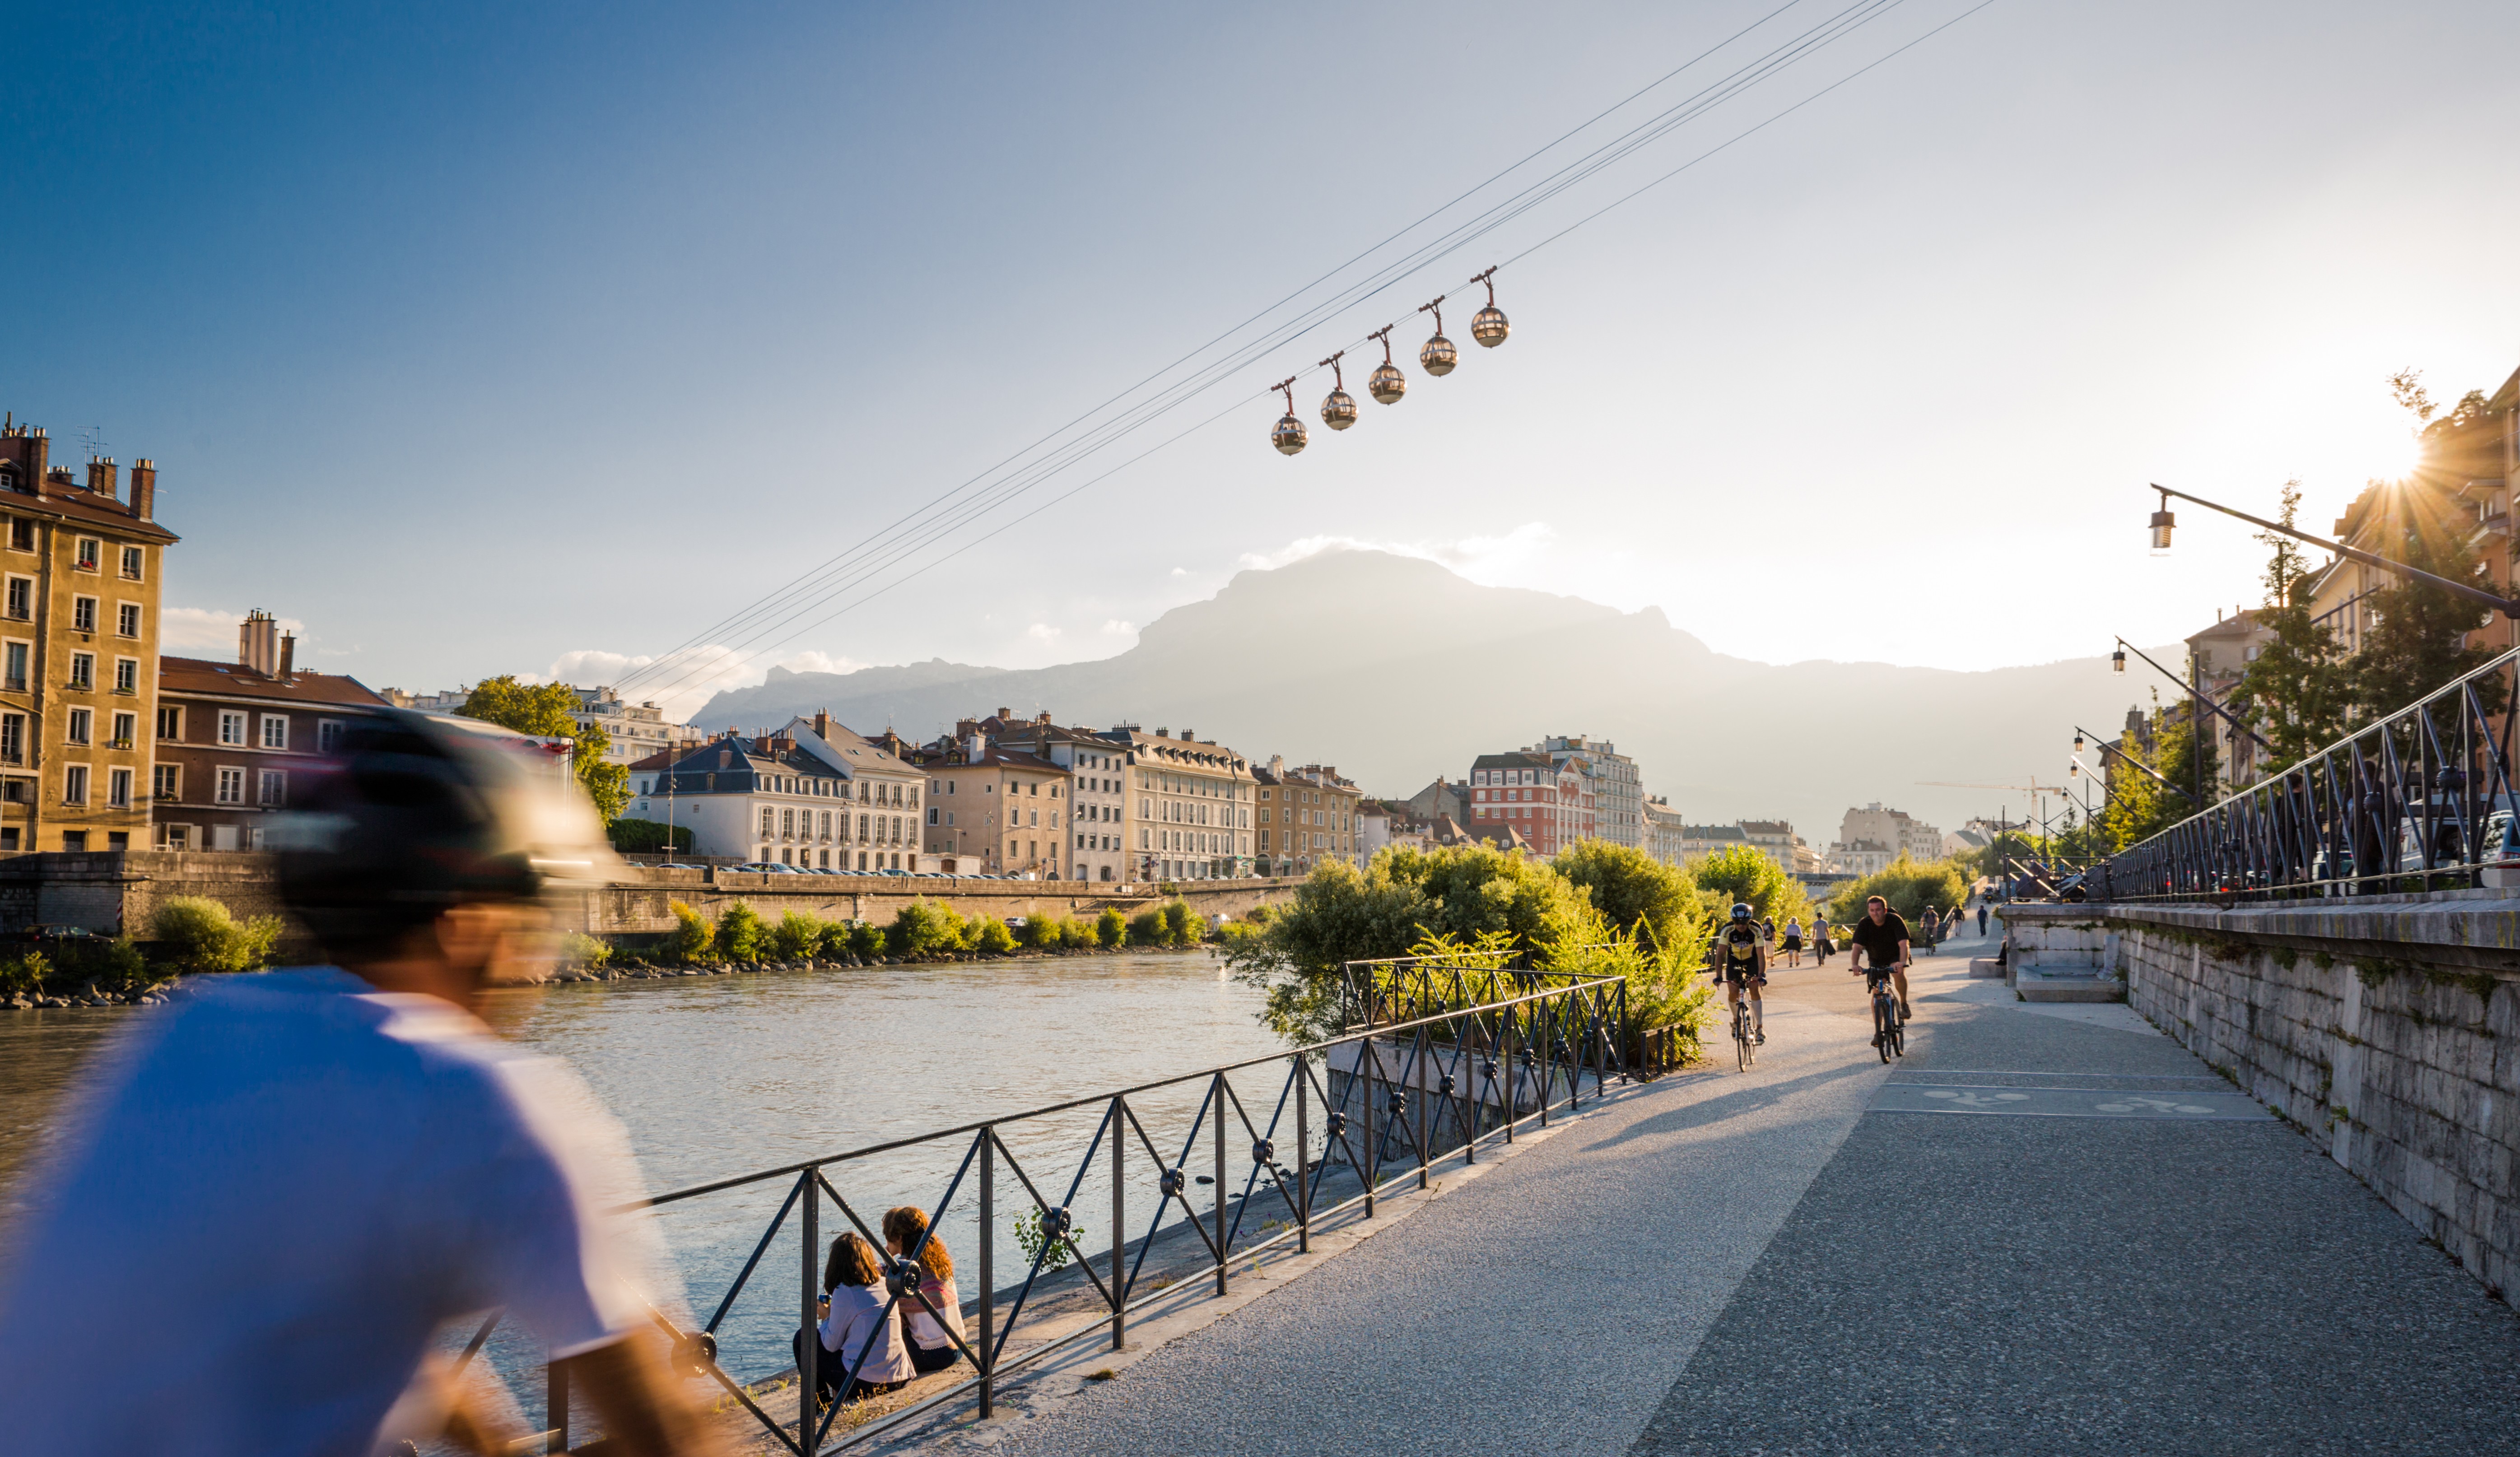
x=1146 y=928
x=1632 y=888
x=2417 y=643
x=796 y=936
x=1044 y=932
x=200 y=936
x=578 y=948
x=647 y=837
x=1081 y=933
x=2298 y=689
x=1030 y=1236
x=692 y=938
x=1182 y=924
x=1908 y=884
x=1745 y=872
x=1664 y=986
x=741 y=935
x=925 y=927
x=833 y=939
x=988 y=933
x=543 y=710
x=1112 y=929
x=867 y=940
x=31 y=974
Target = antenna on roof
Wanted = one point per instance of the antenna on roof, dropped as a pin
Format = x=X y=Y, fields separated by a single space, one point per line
x=92 y=440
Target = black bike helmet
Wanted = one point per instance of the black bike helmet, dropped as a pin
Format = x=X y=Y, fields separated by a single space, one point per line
x=1741 y=910
x=418 y=813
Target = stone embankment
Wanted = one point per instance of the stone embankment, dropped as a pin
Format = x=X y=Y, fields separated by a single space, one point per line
x=2387 y=1030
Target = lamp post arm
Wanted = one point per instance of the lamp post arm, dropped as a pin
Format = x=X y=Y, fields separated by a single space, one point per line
x=2105 y=747
x=2509 y=606
x=2203 y=696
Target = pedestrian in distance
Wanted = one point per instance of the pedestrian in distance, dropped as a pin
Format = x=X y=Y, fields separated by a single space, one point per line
x=1793 y=941
x=1933 y=924
x=1981 y=918
x=313 y=1170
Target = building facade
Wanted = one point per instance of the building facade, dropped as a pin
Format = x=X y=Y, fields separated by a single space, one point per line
x=1545 y=798
x=812 y=794
x=995 y=810
x=1616 y=787
x=635 y=731
x=1308 y=817
x=1097 y=791
x=1666 y=832
x=1191 y=805
x=79 y=649
x=1895 y=829
x=231 y=741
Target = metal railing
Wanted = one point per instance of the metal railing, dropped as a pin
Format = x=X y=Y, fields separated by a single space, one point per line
x=2418 y=800
x=1436 y=1059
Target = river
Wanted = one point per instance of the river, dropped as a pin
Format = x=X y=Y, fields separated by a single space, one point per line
x=716 y=1075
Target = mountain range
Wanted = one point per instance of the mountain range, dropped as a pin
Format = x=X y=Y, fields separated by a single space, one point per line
x=1396 y=669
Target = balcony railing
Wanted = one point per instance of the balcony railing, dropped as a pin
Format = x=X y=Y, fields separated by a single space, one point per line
x=2420 y=801
x=1202 y=1174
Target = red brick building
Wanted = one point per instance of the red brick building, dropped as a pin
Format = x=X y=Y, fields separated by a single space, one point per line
x=232 y=738
x=1546 y=801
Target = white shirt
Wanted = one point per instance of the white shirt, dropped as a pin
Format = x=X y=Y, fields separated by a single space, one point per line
x=300 y=1179
x=1793 y=928
x=858 y=1321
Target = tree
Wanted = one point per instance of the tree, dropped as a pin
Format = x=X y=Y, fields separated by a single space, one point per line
x=1745 y=872
x=1632 y=888
x=2301 y=691
x=543 y=710
x=2417 y=640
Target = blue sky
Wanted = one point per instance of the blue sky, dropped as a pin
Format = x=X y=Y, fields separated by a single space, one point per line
x=506 y=338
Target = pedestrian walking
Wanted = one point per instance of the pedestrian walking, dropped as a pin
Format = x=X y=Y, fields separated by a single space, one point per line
x=1931 y=924
x=1793 y=942
x=1981 y=918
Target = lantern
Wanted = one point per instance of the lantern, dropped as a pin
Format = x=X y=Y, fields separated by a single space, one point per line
x=1438 y=357
x=1288 y=436
x=1386 y=383
x=2162 y=521
x=1488 y=326
x=2117 y=661
x=1338 y=408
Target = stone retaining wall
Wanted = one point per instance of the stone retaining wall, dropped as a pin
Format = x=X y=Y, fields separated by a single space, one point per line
x=2388 y=1032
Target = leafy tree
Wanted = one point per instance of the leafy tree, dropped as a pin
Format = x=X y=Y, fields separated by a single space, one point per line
x=1908 y=884
x=2299 y=687
x=795 y=937
x=925 y=927
x=581 y=949
x=867 y=940
x=1632 y=888
x=741 y=935
x=1112 y=929
x=988 y=933
x=647 y=837
x=1745 y=872
x=1184 y=926
x=692 y=938
x=2417 y=642
x=200 y=936
x=543 y=710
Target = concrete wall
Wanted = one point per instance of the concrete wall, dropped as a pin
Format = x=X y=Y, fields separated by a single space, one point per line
x=2388 y=1030
x=106 y=892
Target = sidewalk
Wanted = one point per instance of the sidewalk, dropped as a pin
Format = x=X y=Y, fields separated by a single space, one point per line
x=2048 y=1229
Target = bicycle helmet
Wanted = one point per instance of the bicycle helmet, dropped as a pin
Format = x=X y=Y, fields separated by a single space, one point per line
x=418 y=813
x=1742 y=911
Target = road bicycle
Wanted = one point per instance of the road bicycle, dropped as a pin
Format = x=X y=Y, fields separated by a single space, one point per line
x=1746 y=1036
x=1887 y=1035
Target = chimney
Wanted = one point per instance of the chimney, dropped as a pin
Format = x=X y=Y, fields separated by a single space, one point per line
x=288 y=654
x=258 y=643
x=975 y=745
x=101 y=473
x=822 y=723
x=144 y=489
x=1190 y=736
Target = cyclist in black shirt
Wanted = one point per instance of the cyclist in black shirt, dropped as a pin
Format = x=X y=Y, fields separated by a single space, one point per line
x=1883 y=932
x=1740 y=958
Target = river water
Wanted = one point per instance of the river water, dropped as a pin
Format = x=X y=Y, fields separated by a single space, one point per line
x=719 y=1076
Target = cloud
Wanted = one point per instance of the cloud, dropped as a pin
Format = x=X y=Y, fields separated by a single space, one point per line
x=1116 y=628
x=1481 y=559
x=1181 y=571
x=690 y=679
x=210 y=632
x=1043 y=632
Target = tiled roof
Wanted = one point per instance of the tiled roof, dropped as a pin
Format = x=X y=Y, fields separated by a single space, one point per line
x=197 y=675
x=76 y=503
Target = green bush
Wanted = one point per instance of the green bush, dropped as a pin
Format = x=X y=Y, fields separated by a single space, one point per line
x=988 y=933
x=29 y=973
x=796 y=936
x=925 y=927
x=1112 y=929
x=867 y=940
x=201 y=936
x=1146 y=928
x=1745 y=874
x=1632 y=888
x=741 y=935
x=1908 y=884
x=1080 y=934
x=1042 y=933
x=834 y=939
x=645 y=837
x=1183 y=926
x=580 y=949
x=692 y=938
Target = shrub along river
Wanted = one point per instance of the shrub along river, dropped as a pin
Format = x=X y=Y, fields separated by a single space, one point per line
x=719 y=1076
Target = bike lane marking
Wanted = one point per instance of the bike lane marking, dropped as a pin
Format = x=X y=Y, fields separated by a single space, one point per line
x=2170 y=1105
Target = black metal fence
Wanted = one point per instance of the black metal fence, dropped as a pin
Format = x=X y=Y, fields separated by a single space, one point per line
x=1436 y=1058
x=2420 y=801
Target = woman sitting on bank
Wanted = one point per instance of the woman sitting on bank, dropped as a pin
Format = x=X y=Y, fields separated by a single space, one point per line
x=858 y=1327
x=931 y=1347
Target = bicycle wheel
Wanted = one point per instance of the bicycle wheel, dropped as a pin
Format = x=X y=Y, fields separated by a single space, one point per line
x=1741 y=1038
x=1882 y=1024
x=1898 y=1031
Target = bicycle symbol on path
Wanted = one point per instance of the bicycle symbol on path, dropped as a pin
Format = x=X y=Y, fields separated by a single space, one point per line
x=1972 y=1100
x=2157 y=1105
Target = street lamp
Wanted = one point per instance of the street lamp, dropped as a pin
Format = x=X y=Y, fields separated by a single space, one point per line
x=2509 y=606
x=2117 y=661
x=2162 y=521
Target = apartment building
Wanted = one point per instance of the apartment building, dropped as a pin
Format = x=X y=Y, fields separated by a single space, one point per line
x=79 y=649
x=1096 y=790
x=635 y=731
x=1698 y=842
x=234 y=740
x=1666 y=832
x=1860 y=858
x=1894 y=829
x=1547 y=799
x=811 y=794
x=993 y=809
x=1308 y=816
x=1189 y=803
x=1612 y=780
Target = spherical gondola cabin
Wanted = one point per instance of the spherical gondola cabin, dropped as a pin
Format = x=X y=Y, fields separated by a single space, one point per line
x=1338 y=409
x=1386 y=383
x=1489 y=328
x=1288 y=436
